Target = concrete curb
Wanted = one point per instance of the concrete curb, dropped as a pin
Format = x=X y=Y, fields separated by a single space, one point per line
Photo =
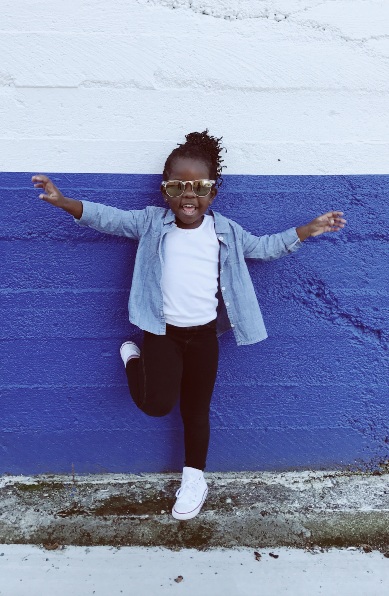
x=300 y=509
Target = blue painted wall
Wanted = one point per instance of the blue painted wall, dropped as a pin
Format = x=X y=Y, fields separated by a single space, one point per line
x=313 y=395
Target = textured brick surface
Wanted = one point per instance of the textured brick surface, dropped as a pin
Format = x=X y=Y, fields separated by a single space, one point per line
x=314 y=394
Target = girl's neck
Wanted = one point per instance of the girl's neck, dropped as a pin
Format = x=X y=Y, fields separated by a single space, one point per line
x=196 y=224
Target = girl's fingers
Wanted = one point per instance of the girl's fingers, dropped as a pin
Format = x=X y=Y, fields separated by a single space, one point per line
x=40 y=177
x=334 y=213
x=330 y=217
x=328 y=222
x=48 y=187
x=52 y=198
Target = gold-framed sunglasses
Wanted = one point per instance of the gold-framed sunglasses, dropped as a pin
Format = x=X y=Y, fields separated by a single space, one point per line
x=175 y=188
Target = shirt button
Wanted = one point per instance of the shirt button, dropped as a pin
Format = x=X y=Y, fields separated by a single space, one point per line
x=221 y=270
x=227 y=304
x=232 y=325
x=220 y=237
x=223 y=288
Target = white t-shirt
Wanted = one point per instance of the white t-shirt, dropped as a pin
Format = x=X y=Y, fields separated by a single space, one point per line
x=190 y=275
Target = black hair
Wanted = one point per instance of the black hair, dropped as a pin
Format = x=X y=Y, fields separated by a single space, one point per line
x=199 y=145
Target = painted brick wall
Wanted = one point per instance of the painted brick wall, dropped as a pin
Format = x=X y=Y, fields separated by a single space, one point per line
x=98 y=97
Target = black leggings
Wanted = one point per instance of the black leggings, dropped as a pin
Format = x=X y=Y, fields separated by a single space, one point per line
x=182 y=362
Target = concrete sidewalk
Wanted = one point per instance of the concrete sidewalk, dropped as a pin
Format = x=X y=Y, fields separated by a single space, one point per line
x=299 y=509
x=27 y=570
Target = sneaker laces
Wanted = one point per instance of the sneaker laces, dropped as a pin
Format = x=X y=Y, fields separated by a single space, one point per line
x=188 y=490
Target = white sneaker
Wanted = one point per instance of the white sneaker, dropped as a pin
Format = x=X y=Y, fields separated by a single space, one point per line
x=191 y=495
x=129 y=350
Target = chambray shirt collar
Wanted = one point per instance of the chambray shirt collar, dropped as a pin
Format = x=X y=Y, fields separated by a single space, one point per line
x=221 y=223
x=169 y=217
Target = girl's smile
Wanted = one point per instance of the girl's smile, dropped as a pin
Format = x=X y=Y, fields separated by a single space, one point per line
x=189 y=208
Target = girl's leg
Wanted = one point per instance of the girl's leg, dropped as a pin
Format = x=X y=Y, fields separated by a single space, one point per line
x=200 y=364
x=154 y=379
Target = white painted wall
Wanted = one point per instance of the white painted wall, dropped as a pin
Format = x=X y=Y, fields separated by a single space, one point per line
x=293 y=86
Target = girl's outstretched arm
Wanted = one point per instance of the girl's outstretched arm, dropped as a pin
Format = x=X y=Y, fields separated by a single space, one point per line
x=328 y=222
x=53 y=195
x=110 y=220
x=274 y=246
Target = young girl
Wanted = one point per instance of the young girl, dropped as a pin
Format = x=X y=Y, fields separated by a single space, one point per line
x=190 y=285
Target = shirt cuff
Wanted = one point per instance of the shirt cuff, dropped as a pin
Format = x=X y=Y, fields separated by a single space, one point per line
x=291 y=240
x=88 y=210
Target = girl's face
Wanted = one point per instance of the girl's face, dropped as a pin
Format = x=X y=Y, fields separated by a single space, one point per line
x=189 y=209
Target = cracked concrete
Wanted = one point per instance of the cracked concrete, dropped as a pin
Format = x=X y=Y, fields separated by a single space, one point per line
x=303 y=509
x=276 y=10
x=324 y=17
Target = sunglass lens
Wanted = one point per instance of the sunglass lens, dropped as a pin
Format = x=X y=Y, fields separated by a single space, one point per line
x=174 y=188
x=202 y=187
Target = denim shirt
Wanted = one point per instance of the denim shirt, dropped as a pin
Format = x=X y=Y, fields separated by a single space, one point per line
x=238 y=306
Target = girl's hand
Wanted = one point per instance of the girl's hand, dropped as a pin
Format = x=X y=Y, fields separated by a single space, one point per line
x=328 y=222
x=52 y=194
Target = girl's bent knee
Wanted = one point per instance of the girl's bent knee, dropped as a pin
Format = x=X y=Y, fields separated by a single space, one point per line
x=156 y=411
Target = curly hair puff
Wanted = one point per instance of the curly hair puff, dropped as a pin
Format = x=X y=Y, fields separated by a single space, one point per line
x=202 y=146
